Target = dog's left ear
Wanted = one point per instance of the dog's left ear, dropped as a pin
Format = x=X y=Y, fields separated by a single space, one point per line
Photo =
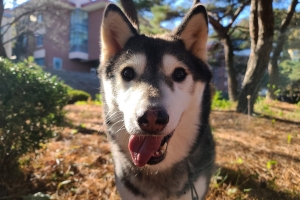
x=116 y=30
x=193 y=31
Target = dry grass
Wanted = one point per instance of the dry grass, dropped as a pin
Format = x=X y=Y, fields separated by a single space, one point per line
x=78 y=164
x=257 y=158
x=260 y=157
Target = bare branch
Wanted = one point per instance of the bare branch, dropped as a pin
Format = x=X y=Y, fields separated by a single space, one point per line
x=237 y=13
x=215 y=23
x=232 y=30
x=291 y=10
x=227 y=12
x=16 y=19
x=11 y=39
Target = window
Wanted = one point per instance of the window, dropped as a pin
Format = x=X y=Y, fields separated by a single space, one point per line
x=57 y=63
x=40 y=61
x=79 y=31
x=24 y=41
x=40 y=18
x=39 y=40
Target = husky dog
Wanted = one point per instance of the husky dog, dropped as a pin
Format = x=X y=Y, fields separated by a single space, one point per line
x=156 y=100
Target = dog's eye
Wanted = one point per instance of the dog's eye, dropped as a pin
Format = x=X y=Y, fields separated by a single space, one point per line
x=179 y=74
x=128 y=74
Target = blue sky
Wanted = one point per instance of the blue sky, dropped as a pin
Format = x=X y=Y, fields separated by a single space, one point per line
x=9 y=3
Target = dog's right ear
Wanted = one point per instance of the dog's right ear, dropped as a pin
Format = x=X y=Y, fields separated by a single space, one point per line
x=116 y=30
x=193 y=31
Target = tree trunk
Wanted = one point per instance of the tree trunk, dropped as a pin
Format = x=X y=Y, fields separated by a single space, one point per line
x=2 y=50
x=130 y=11
x=273 y=66
x=261 y=32
x=224 y=35
x=229 y=64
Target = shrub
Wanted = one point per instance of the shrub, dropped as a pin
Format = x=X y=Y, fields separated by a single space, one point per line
x=77 y=95
x=31 y=103
x=220 y=103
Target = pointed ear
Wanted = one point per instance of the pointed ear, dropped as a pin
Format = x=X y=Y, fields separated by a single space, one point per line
x=195 y=2
x=116 y=30
x=193 y=31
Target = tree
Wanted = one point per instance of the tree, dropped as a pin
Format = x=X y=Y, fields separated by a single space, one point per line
x=25 y=18
x=217 y=15
x=261 y=33
x=282 y=38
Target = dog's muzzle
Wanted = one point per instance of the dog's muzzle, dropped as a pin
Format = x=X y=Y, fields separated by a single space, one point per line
x=150 y=147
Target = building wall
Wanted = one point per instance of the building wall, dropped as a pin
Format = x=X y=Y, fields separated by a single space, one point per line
x=7 y=18
x=88 y=82
x=95 y=19
x=57 y=41
x=56 y=44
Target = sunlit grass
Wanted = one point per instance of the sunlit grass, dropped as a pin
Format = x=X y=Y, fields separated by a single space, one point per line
x=278 y=110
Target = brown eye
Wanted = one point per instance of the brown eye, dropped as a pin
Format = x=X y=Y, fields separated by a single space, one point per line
x=179 y=74
x=128 y=74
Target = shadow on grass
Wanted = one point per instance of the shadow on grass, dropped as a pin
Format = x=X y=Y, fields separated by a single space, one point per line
x=13 y=182
x=285 y=109
x=261 y=115
x=81 y=129
x=259 y=190
x=246 y=148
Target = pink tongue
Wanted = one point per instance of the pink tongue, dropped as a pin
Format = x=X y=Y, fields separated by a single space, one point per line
x=142 y=148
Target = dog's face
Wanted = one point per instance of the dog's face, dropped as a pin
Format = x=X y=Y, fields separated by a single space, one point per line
x=152 y=87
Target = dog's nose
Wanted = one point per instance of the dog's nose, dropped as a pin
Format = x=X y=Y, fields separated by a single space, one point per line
x=153 y=120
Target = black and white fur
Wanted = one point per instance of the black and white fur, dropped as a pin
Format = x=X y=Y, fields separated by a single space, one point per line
x=153 y=61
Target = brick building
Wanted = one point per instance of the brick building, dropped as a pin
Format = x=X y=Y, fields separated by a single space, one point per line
x=76 y=46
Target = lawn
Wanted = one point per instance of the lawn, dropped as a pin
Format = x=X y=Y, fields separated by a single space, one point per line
x=257 y=157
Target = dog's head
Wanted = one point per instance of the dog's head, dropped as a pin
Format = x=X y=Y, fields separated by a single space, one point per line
x=153 y=85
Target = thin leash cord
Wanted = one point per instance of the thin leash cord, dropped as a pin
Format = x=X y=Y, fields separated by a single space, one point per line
x=194 y=193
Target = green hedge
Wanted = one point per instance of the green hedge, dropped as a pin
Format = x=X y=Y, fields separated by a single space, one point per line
x=31 y=104
x=77 y=95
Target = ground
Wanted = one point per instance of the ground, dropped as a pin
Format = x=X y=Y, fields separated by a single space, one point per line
x=257 y=157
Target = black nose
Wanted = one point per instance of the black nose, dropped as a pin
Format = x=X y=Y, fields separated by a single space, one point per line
x=153 y=120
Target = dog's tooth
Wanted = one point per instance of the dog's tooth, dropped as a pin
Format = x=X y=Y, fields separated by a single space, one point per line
x=135 y=156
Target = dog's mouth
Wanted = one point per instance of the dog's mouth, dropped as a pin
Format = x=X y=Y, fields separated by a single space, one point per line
x=149 y=150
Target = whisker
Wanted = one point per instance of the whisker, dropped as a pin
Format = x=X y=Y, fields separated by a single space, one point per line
x=112 y=118
x=121 y=120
